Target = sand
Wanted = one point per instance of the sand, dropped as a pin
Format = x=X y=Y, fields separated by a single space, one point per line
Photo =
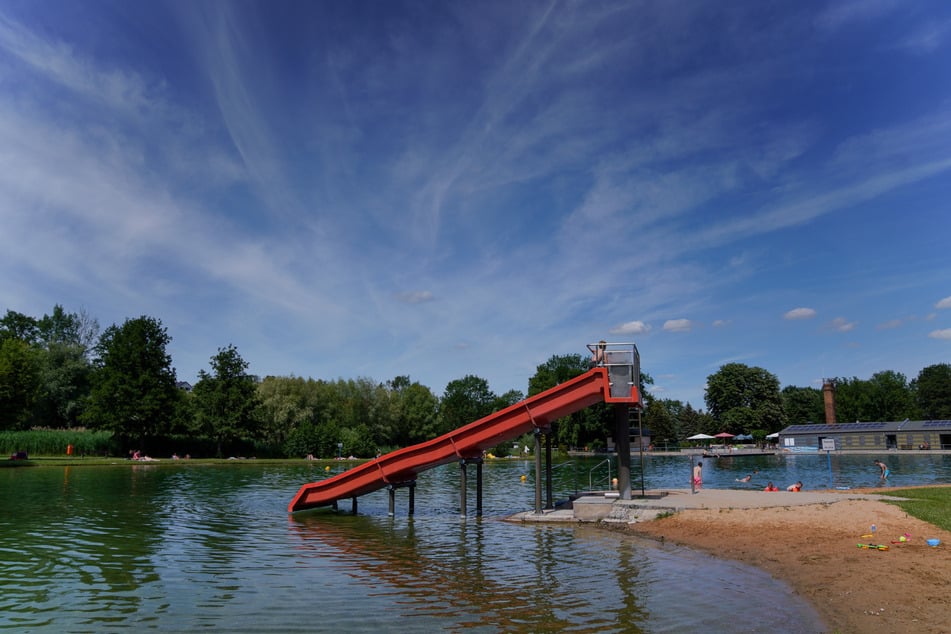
x=812 y=547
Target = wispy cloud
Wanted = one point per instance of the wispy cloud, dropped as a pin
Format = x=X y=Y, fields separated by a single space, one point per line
x=841 y=324
x=944 y=334
x=944 y=303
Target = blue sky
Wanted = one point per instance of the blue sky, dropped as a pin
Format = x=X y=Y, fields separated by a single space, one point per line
x=347 y=189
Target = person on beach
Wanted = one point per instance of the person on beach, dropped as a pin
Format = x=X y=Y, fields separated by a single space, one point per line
x=771 y=487
x=698 y=475
x=881 y=465
x=795 y=488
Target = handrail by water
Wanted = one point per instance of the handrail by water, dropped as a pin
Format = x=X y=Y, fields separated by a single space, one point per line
x=590 y=484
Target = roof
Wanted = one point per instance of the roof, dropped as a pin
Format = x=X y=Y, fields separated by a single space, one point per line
x=879 y=426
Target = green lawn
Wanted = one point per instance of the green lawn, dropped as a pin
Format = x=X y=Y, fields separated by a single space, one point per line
x=931 y=504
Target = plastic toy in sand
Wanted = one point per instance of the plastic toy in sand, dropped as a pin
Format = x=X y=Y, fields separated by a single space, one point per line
x=933 y=542
x=903 y=539
x=873 y=546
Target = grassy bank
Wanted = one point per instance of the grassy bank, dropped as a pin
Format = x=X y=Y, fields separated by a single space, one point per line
x=931 y=504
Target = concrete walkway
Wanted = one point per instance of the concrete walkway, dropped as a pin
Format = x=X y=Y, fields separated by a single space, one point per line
x=598 y=507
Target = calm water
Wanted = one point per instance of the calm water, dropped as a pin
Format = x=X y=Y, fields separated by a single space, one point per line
x=180 y=548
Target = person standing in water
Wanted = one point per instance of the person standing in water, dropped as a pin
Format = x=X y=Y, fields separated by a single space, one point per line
x=881 y=465
x=698 y=476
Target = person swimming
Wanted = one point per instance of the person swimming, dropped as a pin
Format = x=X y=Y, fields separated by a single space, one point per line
x=747 y=478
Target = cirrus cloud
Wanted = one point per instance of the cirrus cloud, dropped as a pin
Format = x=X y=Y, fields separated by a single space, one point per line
x=941 y=334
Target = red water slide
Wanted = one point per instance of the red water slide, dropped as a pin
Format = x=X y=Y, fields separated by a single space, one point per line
x=470 y=441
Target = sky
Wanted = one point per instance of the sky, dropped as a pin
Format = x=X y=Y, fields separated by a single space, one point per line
x=438 y=189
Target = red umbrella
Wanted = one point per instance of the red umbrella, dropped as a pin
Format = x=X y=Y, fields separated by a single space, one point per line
x=723 y=434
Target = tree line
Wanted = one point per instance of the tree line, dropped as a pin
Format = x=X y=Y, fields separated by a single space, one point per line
x=60 y=372
x=748 y=400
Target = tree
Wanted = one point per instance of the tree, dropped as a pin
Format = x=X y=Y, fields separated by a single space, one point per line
x=803 y=405
x=20 y=368
x=932 y=391
x=890 y=396
x=661 y=421
x=415 y=412
x=465 y=400
x=65 y=377
x=886 y=396
x=134 y=393
x=557 y=370
x=225 y=400
x=16 y=325
x=742 y=398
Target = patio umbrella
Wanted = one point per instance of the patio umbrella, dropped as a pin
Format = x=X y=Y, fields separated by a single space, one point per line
x=723 y=434
x=700 y=437
x=745 y=437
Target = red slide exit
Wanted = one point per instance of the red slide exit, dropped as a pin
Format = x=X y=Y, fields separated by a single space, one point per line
x=468 y=441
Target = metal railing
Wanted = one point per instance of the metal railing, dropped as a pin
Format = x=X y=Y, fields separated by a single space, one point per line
x=597 y=466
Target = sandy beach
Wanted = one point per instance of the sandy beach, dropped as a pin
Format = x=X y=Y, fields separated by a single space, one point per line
x=810 y=542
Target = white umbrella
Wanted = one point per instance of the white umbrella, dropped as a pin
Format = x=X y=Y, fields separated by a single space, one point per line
x=775 y=435
x=700 y=437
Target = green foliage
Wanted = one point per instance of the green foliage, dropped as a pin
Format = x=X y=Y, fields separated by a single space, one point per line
x=662 y=423
x=20 y=370
x=933 y=391
x=465 y=400
x=358 y=442
x=885 y=396
x=803 y=405
x=226 y=400
x=133 y=394
x=16 y=325
x=741 y=398
x=555 y=371
x=415 y=413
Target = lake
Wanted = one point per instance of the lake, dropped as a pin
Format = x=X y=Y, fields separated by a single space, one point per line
x=180 y=547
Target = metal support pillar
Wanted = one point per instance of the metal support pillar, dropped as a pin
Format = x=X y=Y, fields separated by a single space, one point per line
x=391 y=489
x=479 y=487
x=622 y=435
x=549 y=502
x=463 y=483
x=538 y=472
x=354 y=507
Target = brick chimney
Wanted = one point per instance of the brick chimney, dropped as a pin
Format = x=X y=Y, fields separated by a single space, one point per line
x=828 y=397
